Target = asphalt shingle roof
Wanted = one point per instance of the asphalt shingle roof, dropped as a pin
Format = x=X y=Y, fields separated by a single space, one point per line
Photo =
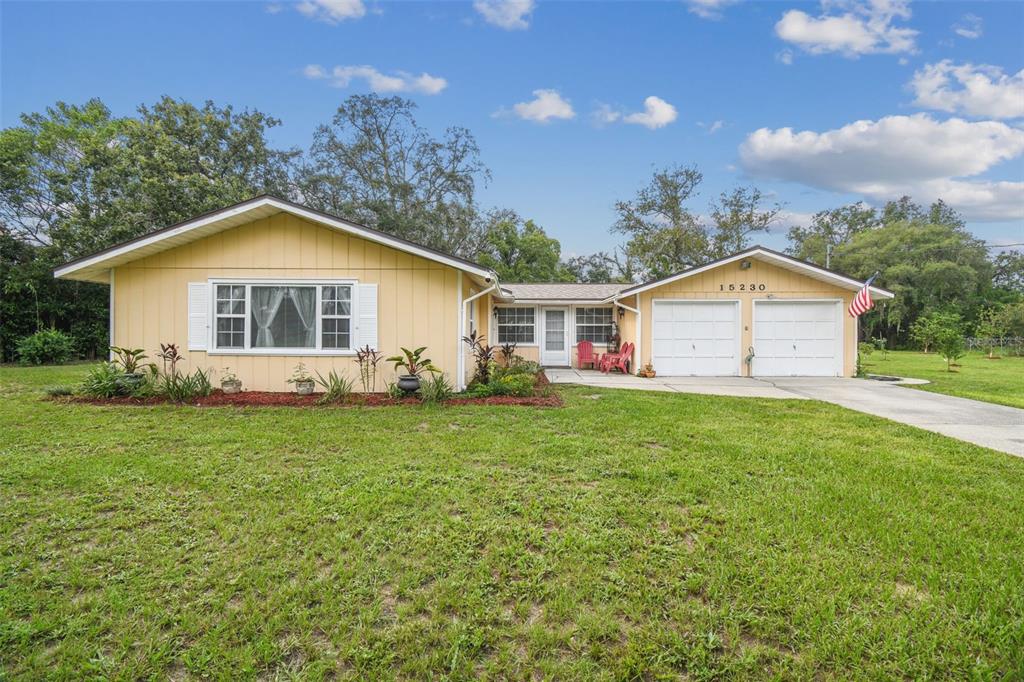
x=557 y=291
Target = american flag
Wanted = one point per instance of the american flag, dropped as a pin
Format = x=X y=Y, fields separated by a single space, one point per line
x=862 y=301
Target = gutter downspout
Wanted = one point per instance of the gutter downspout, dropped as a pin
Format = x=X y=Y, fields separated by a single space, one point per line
x=460 y=383
x=638 y=358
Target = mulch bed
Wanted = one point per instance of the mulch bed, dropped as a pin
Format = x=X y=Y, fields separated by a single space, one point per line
x=273 y=399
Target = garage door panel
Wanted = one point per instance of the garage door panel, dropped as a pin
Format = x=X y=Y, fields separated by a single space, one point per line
x=694 y=338
x=797 y=338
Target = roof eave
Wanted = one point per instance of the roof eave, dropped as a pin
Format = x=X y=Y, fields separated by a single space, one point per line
x=87 y=267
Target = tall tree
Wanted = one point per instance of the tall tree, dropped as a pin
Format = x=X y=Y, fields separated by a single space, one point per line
x=929 y=267
x=521 y=251
x=75 y=179
x=664 y=236
x=737 y=215
x=829 y=229
x=374 y=163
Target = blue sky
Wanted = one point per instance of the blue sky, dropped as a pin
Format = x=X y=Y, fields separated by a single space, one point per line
x=881 y=97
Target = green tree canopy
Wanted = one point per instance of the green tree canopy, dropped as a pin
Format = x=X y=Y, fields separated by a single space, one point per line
x=375 y=164
x=666 y=236
x=521 y=251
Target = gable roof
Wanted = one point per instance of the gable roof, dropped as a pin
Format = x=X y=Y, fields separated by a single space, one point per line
x=95 y=267
x=560 y=291
x=769 y=256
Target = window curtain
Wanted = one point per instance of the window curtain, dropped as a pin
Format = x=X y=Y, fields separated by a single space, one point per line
x=304 y=299
x=265 y=303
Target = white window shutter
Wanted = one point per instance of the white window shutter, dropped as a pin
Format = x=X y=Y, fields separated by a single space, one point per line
x=366 y=321
x=198 y=315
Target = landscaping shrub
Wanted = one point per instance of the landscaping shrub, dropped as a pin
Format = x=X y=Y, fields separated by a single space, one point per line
x=46 y=347
x=436 y=389
x=184 y=387
x=104 y=381
x=519 y=385
x=59 y=391
x=336 y=387
x=519 y=366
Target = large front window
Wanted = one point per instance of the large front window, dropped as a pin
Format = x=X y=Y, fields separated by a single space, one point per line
x=516 y=325
x=593 y=324
x=283 y=316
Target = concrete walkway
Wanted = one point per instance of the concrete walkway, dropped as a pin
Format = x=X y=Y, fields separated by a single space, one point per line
x=992 y=426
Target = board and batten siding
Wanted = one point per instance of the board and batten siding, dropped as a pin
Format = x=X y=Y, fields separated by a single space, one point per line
x=417 y=302
x=780 y=283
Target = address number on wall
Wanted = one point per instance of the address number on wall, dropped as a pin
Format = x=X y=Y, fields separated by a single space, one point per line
x=742 y=286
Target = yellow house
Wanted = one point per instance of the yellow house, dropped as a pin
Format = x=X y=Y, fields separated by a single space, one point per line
x=265 y=284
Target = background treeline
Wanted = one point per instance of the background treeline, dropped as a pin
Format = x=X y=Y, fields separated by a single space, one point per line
x=75 y=179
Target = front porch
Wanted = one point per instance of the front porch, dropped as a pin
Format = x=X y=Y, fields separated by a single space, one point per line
x=742 y=387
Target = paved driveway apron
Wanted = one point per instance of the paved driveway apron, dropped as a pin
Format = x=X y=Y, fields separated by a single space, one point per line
x=993 y=426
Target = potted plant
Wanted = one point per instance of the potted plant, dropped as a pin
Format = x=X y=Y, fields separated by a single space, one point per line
x=647 y=372
x=130 y=360
x=413 y=364
x=303 y=380
x=229 y=381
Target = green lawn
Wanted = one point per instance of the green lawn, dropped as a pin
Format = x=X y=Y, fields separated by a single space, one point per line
x=995 y=381
x=628 y=535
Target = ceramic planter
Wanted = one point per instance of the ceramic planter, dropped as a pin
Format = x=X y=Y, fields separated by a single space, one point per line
x=231 y=386
x=410 y=383
x=305 y=387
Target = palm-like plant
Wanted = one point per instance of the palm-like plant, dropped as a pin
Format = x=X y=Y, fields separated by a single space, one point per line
x=413 y=362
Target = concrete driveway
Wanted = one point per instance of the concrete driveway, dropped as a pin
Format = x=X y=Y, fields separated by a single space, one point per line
x=992 y=426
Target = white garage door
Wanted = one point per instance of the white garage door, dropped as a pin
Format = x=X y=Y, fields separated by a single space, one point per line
x=798 y=339
x=696 y=338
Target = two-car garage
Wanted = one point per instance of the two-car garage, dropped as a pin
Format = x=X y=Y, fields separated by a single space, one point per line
x=790 y=338
x=755 y=313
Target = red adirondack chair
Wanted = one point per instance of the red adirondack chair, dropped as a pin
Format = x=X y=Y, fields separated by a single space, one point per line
x=585 y=355
x=620 y=360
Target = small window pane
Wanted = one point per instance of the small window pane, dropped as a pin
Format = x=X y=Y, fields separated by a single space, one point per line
x=231 y=332
x=336 y=333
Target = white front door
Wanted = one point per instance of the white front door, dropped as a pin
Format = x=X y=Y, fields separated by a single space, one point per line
x=798 y=338
x=554 y=340
x=695 y=338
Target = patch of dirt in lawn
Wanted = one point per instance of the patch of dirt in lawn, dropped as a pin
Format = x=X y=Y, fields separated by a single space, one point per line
x=282 y=399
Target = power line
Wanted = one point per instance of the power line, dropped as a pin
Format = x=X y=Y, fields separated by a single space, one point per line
x=1002 y=246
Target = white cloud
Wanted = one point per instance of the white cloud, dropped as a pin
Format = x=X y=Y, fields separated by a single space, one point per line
x=332 y=11
x=896 y=155
x=983 y=90
x=784 y=56
x=657 y=113
x=709 y=9
x=605 y=115
x=511 y=15
x=274 y=8
x=546 y=105
x=399 y=81
x=314 y=71
x=863 y=28
x=970 y=26
x=712 y=127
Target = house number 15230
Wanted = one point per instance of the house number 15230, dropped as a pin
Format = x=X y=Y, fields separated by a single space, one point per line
x=743 y=286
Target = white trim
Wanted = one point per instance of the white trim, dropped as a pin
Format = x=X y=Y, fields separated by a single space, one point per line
x=460 y=356
x=261 y=202
x=317 y=283
x=542 y=340
x=536 y=324
x=110 y=353
x=840 y=280
x=739 y=325
x=840 y=332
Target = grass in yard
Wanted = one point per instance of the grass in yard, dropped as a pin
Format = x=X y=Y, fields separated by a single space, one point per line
x=995 y=381
x=627 y=535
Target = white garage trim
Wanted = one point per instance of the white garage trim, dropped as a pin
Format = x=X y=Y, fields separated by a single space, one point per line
x=737 y=330
x=839 y=347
